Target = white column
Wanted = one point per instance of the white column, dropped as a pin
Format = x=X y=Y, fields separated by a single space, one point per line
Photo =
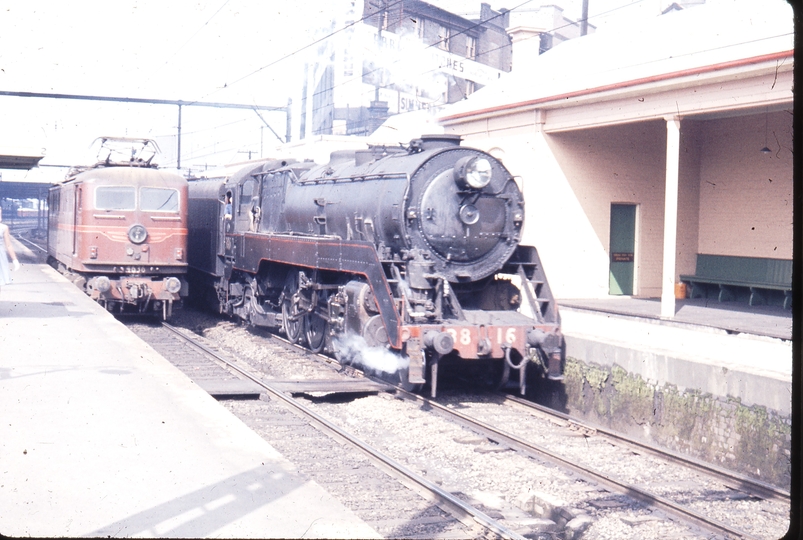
x=670 y=216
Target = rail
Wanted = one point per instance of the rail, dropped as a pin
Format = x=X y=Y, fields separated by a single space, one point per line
x=456 y=506
x=653 y=500
x=729 y=478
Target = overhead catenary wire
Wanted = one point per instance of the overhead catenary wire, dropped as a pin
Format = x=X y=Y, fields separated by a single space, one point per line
x=423 y=72
x=198 y=31
x=305 y=47
x=204 y=25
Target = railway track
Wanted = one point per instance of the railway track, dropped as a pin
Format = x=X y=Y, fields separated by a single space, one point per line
x=610 y=482
x=213 y=364
x=444 y=499
x=470 y=416
x=729 y=478
x=39 y=247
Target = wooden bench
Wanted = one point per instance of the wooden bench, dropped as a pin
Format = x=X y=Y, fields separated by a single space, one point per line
x=763 y=278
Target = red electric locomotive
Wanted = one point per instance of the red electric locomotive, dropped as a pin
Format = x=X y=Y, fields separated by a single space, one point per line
x=118 y=229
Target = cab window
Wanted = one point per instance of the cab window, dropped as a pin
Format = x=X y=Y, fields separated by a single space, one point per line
x=115 y=198
x=158 y=199
x=246 y=193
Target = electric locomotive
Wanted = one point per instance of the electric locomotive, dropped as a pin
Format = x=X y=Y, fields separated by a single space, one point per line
x=413 y=249
x=118 y=229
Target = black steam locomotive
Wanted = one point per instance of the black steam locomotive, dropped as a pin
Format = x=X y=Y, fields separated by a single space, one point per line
x=412 y=250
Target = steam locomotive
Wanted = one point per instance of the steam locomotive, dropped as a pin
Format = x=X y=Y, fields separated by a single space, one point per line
x=411 y=249
x=118 y=229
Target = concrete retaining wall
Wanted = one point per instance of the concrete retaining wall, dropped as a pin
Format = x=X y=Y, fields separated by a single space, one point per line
x=697 y=409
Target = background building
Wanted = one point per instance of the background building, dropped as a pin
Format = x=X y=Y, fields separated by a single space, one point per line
x=402 y=56
x=399 y=57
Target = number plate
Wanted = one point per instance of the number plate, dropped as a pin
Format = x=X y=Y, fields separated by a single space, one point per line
x=467 y=339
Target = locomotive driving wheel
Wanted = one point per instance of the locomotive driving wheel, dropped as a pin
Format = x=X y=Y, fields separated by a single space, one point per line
x=292 y=317
x=316 y=326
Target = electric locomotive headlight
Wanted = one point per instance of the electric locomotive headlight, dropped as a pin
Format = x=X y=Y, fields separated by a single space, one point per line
x=173 y=285
x=137 y=234
x=472 y=172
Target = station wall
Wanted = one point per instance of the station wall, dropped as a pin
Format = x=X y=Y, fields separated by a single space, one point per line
x=746 y=195
x=620 y=164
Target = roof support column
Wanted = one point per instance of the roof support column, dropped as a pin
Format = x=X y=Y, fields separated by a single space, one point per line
x=670 y=216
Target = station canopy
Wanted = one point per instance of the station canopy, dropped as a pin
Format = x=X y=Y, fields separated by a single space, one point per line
x=21 y=161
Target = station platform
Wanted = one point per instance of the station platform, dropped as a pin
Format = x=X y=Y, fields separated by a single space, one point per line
x=101 y=436
x=733 y=317
x=724 y=349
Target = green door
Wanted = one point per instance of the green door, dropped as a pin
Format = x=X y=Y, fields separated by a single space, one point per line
x=623 y=244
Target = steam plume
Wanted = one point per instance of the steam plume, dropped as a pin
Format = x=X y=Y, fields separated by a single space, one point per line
x=353 y=349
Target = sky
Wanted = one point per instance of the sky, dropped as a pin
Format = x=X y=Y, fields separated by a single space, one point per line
x=230 y=51
x=185 y=50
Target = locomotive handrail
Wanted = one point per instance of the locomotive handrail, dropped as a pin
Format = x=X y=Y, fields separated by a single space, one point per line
x=360 y=178
x=532 y=299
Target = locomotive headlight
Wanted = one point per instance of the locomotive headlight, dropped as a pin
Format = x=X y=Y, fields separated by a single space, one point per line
x=137 y=234
x=472 y=172
x=173 y=285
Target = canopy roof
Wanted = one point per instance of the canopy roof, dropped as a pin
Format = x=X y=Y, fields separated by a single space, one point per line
x=18 y=162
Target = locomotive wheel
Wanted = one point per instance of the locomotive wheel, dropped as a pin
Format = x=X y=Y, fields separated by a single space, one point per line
x=315 y=328
x=292 y=320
